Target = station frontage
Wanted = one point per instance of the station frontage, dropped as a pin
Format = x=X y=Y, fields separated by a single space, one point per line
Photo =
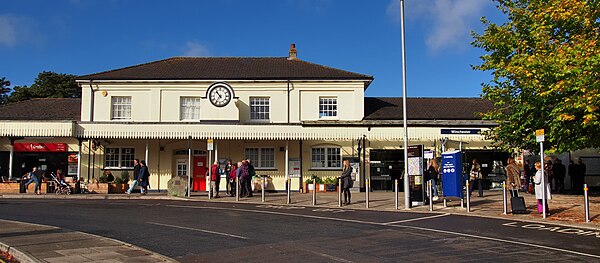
x=293 y=119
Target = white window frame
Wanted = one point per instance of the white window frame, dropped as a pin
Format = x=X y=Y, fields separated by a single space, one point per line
x=119 y=109
x=257 y=162
x=325 y=161
x=120 y=159
x=328 y=110
x=268 y=105
x=193 y=107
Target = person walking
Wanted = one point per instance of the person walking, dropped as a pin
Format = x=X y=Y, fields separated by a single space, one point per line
x=144 y=178
x=34 y=177
x=136 y=174
x=432 y=175
x=475 y=176
x=346 y=182
x=539 y=188
x=513 y=177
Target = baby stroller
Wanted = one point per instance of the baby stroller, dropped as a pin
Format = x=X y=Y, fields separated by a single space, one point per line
x=61 y=186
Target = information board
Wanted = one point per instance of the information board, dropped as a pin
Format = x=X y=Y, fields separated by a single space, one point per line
x=452 y=179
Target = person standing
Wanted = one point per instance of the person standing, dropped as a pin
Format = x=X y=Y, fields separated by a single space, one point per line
x=231 y=176
x=475 y=176
x=432 y=175
x=241 y=174
x=528 y=172
x=582 y=170
x=539 y=188
x=226 y=172
x=33 y=178
x=251 y=175
x=144 y=178
x=513 y=177
x=560 y=171
x=136 y=174
x=346 y=182
x=214 y=176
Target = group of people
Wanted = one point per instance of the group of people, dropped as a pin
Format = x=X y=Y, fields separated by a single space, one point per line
x=141 y=177
x=556 y=172
x=243 y=171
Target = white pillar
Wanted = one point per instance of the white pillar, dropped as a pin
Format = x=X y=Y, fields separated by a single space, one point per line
x=10 y=160
x=189 y=167
x=146 y=157
x=287 y=161
x=79 y=160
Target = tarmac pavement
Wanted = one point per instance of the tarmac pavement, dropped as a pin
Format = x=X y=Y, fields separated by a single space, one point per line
x=59 y=245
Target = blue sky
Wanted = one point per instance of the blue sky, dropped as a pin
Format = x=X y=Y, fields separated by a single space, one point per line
x=87 y=36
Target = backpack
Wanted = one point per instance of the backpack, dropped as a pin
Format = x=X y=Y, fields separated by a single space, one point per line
x=245 y=171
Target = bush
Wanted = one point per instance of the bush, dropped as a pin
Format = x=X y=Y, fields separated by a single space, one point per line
x=124 y=177
x=331 y=180
x=102 y=179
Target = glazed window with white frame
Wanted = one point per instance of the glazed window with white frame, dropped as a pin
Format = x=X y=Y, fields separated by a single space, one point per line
x=326 y=157
x=121 y=108
x=263 y=157
x=119 y=157
x=190 y=108
x=327 y=107
x=260 y=108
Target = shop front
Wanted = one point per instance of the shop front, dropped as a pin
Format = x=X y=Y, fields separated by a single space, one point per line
x=47 y=156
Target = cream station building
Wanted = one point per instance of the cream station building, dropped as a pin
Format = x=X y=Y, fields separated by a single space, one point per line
x=292 y=118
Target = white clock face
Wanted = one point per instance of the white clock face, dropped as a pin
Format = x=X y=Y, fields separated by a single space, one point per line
x=220 y=96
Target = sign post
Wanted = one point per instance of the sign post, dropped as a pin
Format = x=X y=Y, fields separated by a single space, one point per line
x=539 y=137
x=415 y=173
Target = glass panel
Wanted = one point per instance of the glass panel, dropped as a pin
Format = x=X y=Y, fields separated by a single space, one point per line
x=318 y=157
x=259 y=108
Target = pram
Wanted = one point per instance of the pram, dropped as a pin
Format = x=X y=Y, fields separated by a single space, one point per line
x=61 y=187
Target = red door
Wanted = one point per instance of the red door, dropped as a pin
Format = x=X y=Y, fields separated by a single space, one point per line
x=199 y=173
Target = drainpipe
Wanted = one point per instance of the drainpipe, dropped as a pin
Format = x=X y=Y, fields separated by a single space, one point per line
x=91 y=102
x=288 y=101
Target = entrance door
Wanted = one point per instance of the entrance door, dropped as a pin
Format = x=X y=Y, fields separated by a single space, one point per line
x=199 y=173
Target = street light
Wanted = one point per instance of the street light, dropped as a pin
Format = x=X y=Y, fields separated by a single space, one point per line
x=404 y=119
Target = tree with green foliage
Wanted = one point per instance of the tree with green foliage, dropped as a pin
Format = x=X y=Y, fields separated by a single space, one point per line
x=4 y=90
x=545 y=65
x=48 y=85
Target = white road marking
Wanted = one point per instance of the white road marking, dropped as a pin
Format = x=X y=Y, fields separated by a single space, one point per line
x=199 y=230
x=415 y=219
x=399 y=226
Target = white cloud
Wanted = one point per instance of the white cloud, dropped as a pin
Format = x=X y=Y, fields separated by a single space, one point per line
x=16 y=30
x=195 y=49
x=448 y=23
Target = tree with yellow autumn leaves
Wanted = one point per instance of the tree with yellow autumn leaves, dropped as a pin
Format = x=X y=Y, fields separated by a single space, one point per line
x=545 y=68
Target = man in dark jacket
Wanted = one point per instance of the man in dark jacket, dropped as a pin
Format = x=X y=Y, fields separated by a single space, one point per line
x=136 y=175
x=144 y=178
x=559 y=171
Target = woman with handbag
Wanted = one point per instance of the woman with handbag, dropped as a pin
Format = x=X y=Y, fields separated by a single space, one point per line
x=539 y=188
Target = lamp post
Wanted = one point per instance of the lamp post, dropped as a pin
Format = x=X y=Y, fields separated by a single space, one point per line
x=404 y=119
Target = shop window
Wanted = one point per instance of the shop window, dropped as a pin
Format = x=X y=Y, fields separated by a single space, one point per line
x=327 y=107
x=119 y=157
x=260 y=109
x=326 y=157
x=190 y=108
x=121 y=108
x=261 y=157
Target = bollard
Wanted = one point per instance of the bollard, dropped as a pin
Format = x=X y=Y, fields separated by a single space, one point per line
x=445 y=203
x=468 y=199
x=504 y=202
x=340 y=192
x=367 y=192
x=314 y=200
x=262 y=186
x=209 y=190
x=430 y=189
x=396 y=191
x=289 y=190
x=237 y=189
x=586 y=203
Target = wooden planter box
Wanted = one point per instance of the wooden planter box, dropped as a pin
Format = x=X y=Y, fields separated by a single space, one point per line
x=321 y=188
x=117 y=188
x=10 y=188
x=98 y=188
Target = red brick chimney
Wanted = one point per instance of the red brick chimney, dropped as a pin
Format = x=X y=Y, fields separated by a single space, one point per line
x=293 y=53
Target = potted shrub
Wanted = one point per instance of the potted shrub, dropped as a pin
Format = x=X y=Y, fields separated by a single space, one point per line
x=331 y=184
x=121 y=184
x=320 y=184
x=100 y=186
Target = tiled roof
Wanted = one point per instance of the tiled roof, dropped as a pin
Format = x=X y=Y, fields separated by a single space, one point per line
x=68 y=109
x=211 y=68
x=426 y=108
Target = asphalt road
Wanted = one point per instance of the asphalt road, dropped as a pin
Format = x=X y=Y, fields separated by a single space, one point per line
x=226 y=232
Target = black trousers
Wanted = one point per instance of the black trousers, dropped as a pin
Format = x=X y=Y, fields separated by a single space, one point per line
x=347 y=195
